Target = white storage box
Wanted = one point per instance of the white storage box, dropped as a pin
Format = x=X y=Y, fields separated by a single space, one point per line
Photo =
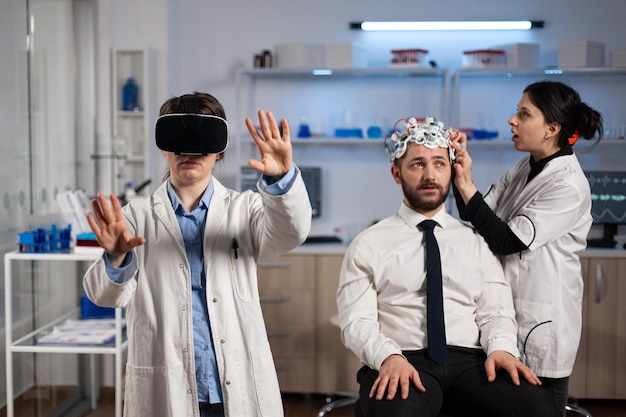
x=344 y=56
x=581 y=54
x=617 y=58
x=299 y=55
x=521 y=55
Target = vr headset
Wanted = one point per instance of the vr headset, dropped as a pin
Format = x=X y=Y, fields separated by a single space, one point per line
x=190 y=132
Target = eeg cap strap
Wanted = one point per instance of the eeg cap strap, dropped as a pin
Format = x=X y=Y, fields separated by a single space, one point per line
x=191 y=132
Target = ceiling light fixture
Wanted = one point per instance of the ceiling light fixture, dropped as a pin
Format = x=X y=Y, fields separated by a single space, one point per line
x=447 y=25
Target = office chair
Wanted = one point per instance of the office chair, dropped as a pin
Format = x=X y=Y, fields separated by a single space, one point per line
x=354 y=401
x=571 y=408
x=351 y=399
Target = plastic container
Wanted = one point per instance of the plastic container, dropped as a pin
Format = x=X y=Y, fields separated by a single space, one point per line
x=44 y=240
x=408 y=57
x=89 y=310
x=349 y=133
x=484 y=58
x=130 y=95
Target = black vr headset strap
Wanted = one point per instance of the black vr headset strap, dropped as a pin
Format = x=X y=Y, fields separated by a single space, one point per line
x=190 y=106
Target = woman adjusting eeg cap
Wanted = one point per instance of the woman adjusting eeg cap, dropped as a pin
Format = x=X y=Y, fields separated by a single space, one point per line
x=429 y=133
x=191 y=132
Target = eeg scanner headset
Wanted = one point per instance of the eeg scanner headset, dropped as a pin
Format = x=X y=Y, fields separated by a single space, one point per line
x=191 y=133
x=429 y=133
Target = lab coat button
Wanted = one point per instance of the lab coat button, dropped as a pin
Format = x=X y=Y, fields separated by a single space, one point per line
x=186 y=350
x=222 y=341
x=184 y=308
x=181 y=265
x=227 y=382
x=215 y=300
x=189 y=391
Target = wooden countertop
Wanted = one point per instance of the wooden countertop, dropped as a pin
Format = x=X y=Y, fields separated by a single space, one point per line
x=340 y=249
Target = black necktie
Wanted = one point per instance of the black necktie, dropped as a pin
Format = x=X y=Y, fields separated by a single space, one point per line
x=435 y=327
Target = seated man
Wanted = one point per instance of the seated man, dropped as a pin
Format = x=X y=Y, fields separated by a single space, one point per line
x=456 y=352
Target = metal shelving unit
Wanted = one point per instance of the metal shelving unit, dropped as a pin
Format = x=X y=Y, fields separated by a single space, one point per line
x=548 y=73
x=308 y=82
x=27 y=343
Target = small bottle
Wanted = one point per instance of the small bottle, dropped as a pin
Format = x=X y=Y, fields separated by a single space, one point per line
x=267 y=59
x=130 y=93
x=258 y=61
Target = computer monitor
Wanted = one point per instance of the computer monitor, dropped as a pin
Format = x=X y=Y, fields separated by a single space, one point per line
x=312 y=177
x=608 y=201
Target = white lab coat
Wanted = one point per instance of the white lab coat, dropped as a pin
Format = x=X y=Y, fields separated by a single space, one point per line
x=160 y=372
x=552 y=216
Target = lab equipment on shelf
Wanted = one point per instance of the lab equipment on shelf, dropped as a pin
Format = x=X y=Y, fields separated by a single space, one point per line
x=46 y=239
x=130 y=95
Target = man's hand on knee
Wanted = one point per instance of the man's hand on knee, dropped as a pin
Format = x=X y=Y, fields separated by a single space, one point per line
x=395 y=371
x=504 y=360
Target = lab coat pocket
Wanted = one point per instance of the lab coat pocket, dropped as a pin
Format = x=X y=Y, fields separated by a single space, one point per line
x=535 y=331
x=243 y=273
x=266 y=382
x=147 y=393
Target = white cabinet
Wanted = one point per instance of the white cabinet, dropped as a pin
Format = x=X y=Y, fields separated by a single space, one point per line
x=129 y=126
x=27 y=343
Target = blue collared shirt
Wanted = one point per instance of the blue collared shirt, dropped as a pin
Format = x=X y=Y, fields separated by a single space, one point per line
x=192 y=225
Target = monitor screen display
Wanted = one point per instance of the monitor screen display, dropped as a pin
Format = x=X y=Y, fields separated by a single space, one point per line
x=608 y=196
x=312 y=177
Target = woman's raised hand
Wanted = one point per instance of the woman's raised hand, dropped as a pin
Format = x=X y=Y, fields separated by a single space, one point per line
x=111 y=230
x=275 y=149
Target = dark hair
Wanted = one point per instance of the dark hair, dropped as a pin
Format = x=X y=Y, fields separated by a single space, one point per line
x=560 y=103
x=207 y=104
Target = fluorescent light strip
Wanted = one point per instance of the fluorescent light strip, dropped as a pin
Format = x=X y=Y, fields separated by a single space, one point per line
x=447 y=25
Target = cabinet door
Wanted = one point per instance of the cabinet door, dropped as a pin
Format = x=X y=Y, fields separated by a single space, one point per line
x=287 y=291
x=577 y=381
x=336 y=365
x=606 y=329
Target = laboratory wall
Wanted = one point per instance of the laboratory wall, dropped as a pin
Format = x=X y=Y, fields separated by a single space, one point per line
x=199 y=46
x=55 y=115
x=39 y=141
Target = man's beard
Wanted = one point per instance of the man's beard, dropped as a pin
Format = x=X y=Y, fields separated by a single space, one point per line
x=417 y=202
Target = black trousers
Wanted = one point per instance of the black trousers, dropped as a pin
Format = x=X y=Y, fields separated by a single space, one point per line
x=559 y=389
x=211 y=410
x=458 y=386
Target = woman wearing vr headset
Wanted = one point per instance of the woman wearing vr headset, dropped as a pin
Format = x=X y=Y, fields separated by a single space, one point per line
x=183 y=263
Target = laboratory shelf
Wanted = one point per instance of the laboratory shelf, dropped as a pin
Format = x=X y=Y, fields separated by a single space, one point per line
x=530 y=72
x=27 y=343
x=351 y=73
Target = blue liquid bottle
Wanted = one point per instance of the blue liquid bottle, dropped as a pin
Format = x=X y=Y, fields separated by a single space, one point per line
x=130 y=94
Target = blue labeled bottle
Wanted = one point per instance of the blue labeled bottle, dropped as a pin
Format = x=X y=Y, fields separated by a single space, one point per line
x=130 y=95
